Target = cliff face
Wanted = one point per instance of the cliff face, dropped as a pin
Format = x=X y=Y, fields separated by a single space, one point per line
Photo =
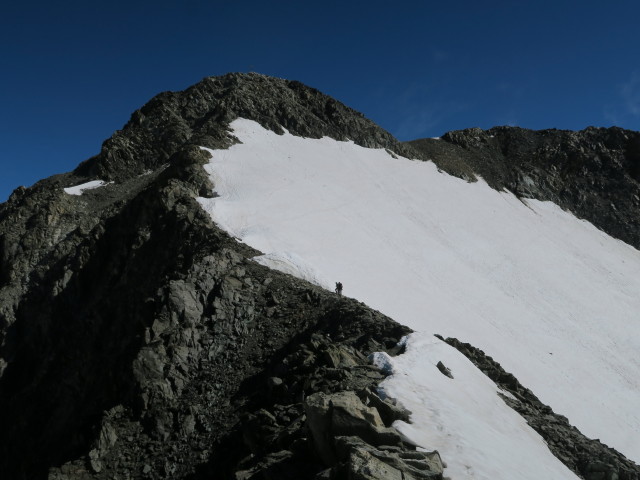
x=593 y=173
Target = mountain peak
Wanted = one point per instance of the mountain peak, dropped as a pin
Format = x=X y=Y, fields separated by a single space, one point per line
x=200 y=115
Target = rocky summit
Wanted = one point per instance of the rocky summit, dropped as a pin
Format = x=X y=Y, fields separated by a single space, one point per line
x=140 y=340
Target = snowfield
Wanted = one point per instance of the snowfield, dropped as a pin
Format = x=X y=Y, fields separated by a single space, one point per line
x=550 y=297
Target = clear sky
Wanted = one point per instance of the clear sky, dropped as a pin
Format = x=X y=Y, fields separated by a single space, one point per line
x=72 y=72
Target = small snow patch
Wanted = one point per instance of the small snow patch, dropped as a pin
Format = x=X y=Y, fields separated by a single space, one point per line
x=292 y=264
x=79 y=189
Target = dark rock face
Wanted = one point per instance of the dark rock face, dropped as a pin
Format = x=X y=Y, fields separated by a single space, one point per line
x=593 y=173
x=590 y=459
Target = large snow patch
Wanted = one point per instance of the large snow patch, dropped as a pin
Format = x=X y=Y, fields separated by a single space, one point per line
x=550 y=297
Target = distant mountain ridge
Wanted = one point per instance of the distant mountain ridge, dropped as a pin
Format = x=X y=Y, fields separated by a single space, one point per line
x=138 y=339
x=593 y=173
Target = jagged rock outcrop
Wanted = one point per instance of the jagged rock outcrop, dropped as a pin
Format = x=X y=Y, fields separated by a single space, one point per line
x=593 y=173
x=352 y=439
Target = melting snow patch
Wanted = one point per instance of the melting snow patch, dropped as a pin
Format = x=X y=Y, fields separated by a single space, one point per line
x=293 y=264
x=79 y=189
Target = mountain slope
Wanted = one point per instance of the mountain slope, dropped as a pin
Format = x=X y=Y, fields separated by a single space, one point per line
x=139 y=339
x=117 y=304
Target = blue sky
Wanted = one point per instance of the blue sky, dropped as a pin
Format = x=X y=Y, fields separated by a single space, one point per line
x=73 y=72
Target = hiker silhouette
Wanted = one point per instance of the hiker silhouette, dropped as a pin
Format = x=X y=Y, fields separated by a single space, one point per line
x=339 y=288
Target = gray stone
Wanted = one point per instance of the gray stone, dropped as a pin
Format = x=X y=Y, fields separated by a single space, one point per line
x=94 y=461
x=348 y=410
x=388 y=409
x=364 y=466
x=339 y=357
x=106 y=439
x=411 y=463
x=342 y=413
x=444 y=370
x=275 y=382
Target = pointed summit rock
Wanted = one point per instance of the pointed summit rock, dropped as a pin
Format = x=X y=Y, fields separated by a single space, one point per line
x=200 y=115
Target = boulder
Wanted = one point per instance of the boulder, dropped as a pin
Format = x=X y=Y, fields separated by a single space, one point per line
x=364 y=466
x=389 y=410
x=411 y=463
x=351 y=438
x=341 y=413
